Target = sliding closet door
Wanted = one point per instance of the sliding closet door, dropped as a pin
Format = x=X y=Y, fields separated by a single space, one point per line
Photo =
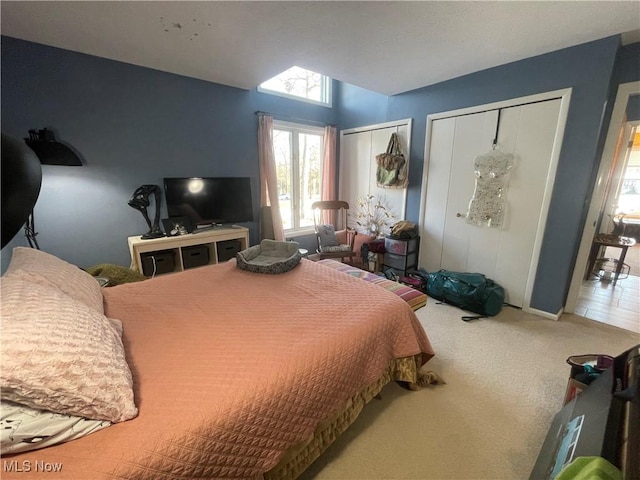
x=503 y=254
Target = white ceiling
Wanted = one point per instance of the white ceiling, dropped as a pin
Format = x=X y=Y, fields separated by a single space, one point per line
x=388 y=47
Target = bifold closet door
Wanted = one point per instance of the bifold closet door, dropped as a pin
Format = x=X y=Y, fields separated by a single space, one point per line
x=503 y=254
x=358 y=169
x=354 y=172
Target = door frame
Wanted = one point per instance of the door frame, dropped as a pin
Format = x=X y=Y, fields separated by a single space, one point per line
x=617 y=172
x=598 y=197
x=565 y=97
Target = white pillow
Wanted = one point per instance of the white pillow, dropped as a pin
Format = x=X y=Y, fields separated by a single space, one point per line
x=40 y=267
x=57 y=354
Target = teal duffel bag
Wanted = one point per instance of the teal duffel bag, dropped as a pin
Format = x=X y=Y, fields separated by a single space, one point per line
x=470 y=291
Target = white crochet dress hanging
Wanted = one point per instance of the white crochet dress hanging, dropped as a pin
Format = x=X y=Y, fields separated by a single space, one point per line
x=488 y=204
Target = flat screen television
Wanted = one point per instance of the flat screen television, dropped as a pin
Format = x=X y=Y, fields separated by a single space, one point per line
x=209 y=201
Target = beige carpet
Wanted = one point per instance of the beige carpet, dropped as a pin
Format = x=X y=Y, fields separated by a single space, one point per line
x=506 y=378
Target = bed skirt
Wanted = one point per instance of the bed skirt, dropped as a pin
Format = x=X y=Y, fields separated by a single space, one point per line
x=298 y=458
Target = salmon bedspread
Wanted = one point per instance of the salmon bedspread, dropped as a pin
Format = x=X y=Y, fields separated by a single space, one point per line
x=233 y=369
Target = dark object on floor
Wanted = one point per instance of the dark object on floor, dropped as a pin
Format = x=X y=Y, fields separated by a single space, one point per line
x=416 y=281
x=116 y=274
x=391 y=274
x=470 y=291
x=586 y=368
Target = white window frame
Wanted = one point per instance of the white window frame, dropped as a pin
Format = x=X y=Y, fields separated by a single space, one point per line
x=325 y=89
x=296 y=129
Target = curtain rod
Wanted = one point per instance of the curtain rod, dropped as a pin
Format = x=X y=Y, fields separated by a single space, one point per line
x=286 y=117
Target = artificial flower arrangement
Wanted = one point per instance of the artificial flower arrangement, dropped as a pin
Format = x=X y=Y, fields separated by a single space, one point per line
x=373 y=216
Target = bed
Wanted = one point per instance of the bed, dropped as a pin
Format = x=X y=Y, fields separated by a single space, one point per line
x=234 y=374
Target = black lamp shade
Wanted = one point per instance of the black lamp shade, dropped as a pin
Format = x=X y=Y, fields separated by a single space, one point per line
x=21 y=179
x=49 y=151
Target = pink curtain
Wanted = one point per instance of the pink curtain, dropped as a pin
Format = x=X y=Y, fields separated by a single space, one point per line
x=328 y=189
x=268 y=179
x=329 y=165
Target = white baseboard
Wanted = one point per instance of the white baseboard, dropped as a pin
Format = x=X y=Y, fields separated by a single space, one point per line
x=548 y=315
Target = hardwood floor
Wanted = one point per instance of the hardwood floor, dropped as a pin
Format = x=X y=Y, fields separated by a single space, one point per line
x=620 y=305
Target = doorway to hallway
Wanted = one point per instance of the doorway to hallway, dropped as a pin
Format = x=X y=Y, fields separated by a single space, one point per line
x=618 y=305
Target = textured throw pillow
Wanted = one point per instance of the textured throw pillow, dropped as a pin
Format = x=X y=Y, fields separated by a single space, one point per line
x=57 y=354
x=40 y=267
x=327 y=236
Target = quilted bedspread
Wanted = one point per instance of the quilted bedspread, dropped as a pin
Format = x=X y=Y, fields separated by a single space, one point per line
x=232 y=368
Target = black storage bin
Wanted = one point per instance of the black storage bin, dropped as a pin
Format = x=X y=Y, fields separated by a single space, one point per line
x=227 y=249
x=195 y=256
x=155 y=263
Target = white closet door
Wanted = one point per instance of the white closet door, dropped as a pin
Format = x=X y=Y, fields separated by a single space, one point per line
x=505 y=255
x=354 y=173
x=358 y=152
x=392 y=198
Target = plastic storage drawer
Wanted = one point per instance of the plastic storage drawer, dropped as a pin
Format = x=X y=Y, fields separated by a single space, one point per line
x=196 y=256
x=400 y=247
x=400 y=262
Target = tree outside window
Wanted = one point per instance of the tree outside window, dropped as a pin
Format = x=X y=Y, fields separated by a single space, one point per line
x=301 y=84
x=298 y=155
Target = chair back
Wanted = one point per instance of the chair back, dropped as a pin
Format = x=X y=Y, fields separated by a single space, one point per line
x=330 y=212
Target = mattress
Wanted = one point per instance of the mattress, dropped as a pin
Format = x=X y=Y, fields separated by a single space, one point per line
x=234 y=372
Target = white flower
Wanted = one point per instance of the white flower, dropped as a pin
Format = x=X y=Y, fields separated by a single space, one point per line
x=373 y=215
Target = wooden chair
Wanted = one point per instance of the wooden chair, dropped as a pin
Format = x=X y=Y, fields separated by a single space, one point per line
x=335 y=238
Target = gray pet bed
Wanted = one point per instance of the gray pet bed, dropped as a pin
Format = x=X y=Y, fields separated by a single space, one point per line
x=269 y=257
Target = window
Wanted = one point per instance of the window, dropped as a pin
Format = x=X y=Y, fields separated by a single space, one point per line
x=298 y=155
x=300 y=84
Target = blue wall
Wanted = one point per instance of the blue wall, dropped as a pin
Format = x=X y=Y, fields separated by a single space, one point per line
x=588 y=70
x=633 y=108
x=628 y=70
x=134 y=125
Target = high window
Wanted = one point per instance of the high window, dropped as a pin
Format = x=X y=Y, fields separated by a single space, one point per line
x=301 y=84
x=298 y=155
